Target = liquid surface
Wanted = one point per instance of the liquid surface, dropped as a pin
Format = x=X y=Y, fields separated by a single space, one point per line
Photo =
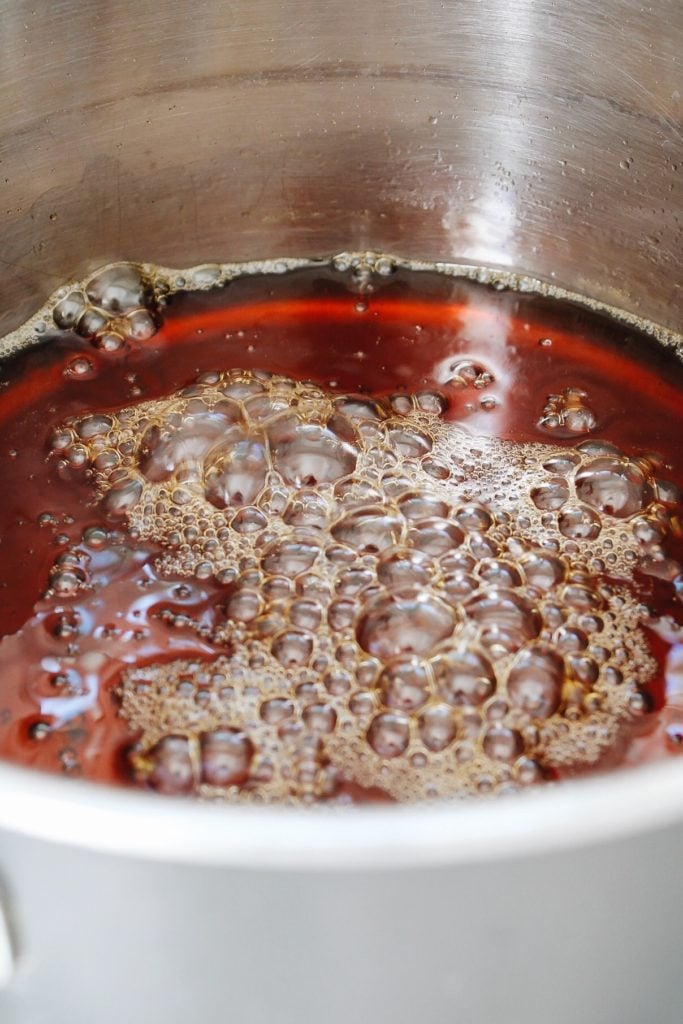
x=336 y=533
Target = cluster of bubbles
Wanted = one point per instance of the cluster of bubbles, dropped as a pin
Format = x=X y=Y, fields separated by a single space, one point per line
x=403 y=605
x=114 y=306
x=567 y=414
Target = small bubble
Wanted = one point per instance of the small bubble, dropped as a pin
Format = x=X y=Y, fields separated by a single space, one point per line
x=674 y=737
x=172 y=772
x=225 y=757
x=579 y=523
x=436 y=727
x=80 y=367
x=277 y=710
x=503 y=744
x=405 y=685
x=68 y=312
x=108 y=341
x=39 y=730
x=567 y=414
x=320 y=718
x=389 y=735
x=139 y=326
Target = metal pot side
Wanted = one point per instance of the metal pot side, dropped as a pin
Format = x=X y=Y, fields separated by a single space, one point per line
x=520 y=134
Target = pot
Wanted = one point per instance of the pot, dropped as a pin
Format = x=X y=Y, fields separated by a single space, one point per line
x=520 y=135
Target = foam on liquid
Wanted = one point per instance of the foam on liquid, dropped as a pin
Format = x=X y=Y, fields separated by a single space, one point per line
x=350 y=591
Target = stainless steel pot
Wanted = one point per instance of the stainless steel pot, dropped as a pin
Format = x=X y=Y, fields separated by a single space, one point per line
x=523 y=134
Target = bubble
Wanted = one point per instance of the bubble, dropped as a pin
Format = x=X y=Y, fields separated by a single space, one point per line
x=117 y=289
x=402 y=404
x=404 y=685
x=436 y=727
x=244 y=606
x=68 y=311
x=579 y=523
x=568 y=639
x=122 y=497
x=91 y=323
x=359 y=408
x=60 y=439
x=435 y=469
x=668 y=492
x=292 y=648
x=368 y=529
x=320 y=718
x=503 y=744
x=172 y=772
x=567 y=414
x=309 y=455
x=583 y=669
x=337 y=683
x=674 y=737
x=661 y=568
x=207 y=275
x=542 y=571
x=435 y=537
x=94 y=426
x=80 y=367
x=499 y=573
x=352 y=581
x=506 y=620
x=469 y=374
x=613 y=486
x=39 y=730
x=277 y=710
x=263 y=408
x=410 y=443
x=404 y=567
x=405 y=622
x=389 y=735
x=167 y=450
x=422 y=506
x=225 y=757
x=648 y=531
x=249 y=520
x=139 y=326
x=473 y=517
x=431 y=402
x=597 y=447
x=528 y=771
x=535 y=681
x=308 y=509
x=341 y=615
x=464 y=677
x=562 y=465
x=583 y=598
x=291 y=557
x=551 y=494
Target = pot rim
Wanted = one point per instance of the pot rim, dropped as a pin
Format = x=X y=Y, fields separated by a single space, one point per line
x=554 y=817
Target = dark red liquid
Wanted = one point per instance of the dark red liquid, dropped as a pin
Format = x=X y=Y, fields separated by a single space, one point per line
x=311 y=324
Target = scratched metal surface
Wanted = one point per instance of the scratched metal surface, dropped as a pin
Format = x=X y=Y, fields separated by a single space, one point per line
x=532 y=134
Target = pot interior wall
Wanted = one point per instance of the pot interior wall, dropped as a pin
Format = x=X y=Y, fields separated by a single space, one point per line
x=524 y=134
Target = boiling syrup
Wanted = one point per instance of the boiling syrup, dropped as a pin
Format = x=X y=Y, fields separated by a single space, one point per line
x=333 y=534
